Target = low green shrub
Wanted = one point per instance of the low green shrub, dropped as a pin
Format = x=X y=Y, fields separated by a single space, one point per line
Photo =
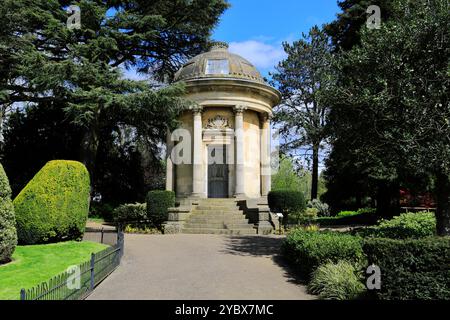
x=411 y=269
x=54 y=205
x=8 y=233
x=346 y=213
x=407 y=225
x=337 y=281
x=309 y=249
x=287 y=202
x=308 y=216
x=158 y=203
x=141 y=229
x=130 y=212
x=323 y=210
x=357 y=219
x=367 y=211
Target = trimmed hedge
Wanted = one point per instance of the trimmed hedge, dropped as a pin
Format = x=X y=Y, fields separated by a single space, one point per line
x=130 y=212
x=307 y=250
x=8 y=233
x=54 y=205
x=286 y=202
x=411 y=269
x=359 y=218
x=158 y=203
x=407 y=225
x=337 y=281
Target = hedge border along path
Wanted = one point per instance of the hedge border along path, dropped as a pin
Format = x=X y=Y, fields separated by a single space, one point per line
x=411 y=269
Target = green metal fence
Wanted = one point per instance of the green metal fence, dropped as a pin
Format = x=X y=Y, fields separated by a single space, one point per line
x=77 y=283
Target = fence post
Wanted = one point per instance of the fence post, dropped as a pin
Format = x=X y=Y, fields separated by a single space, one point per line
x=22 y=294
x=92 y=271
x=101 y=241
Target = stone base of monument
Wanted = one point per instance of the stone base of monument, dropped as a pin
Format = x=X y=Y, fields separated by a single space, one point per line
x=220 y=216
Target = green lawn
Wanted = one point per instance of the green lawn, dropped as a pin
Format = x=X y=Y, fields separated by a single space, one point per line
x=34 y=264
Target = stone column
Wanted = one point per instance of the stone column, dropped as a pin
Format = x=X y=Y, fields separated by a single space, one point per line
x=169 y=162
x=197 y=165
x=266 y=178
x=240 y=159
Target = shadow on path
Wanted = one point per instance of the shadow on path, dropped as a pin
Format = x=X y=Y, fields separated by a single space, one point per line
x=260 y=246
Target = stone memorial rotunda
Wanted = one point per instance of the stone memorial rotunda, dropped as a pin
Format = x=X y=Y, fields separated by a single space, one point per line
x=222 y=182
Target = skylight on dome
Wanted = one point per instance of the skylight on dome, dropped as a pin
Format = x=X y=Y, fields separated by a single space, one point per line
x=216 y=66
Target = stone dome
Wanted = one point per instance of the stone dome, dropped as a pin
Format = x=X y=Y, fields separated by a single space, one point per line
x=218 y=63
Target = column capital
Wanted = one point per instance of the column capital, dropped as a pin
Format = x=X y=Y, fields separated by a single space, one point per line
x=239 y=109
x=265 y=116
x=196 y=109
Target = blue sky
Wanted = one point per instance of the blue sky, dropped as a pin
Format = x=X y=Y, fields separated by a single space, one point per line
x=255 y=29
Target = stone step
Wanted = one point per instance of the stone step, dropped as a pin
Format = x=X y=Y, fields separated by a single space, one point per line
x=216 y=207
x=227 y=226
x=218 y=215
x=218 y=220
x=219 y=231
x=223 y=212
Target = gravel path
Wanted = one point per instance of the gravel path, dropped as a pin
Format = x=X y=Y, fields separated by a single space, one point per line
x=208 y=267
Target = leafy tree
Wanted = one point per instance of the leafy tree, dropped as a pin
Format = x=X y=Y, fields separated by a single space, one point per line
x=286 y=177
x=392 y=99
x=290 y=176
x=35 y=135
x=81 y=69
x=345 y=30
x=301 y=78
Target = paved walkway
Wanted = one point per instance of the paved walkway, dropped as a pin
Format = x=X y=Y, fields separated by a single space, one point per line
x=191 y=267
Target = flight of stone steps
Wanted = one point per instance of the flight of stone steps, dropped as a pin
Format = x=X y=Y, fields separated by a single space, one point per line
x=218 y=216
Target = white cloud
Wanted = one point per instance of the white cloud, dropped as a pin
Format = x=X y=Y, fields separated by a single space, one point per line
x=262 y=55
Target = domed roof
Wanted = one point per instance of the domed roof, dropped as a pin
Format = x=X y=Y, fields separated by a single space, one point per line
x=218 y=63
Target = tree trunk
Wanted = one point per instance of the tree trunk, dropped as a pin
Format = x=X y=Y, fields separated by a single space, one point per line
x=89 y=146
x=443 y=204
x=388 y=199
x=315 y=172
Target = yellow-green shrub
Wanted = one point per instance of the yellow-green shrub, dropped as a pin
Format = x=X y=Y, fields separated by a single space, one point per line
x=54 y=205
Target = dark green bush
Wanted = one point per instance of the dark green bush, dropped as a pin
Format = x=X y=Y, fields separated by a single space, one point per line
x=101 y=210
x=130 y=212
x=337 y=281
x=158 y=201
x=309 y=249
x=363 y=217
x=411 y=269
x=54 y=205
x=8 y=234
x=286 y=202
x=407 y=225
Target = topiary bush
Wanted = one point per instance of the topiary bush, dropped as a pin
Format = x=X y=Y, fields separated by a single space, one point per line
x=130 y=212
x=54 y=205
x=337 y=281
x=158 y=203
x=8 y=234
x=286 y=202
x=407 y=225
x=309 y=249
x=411 y=269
